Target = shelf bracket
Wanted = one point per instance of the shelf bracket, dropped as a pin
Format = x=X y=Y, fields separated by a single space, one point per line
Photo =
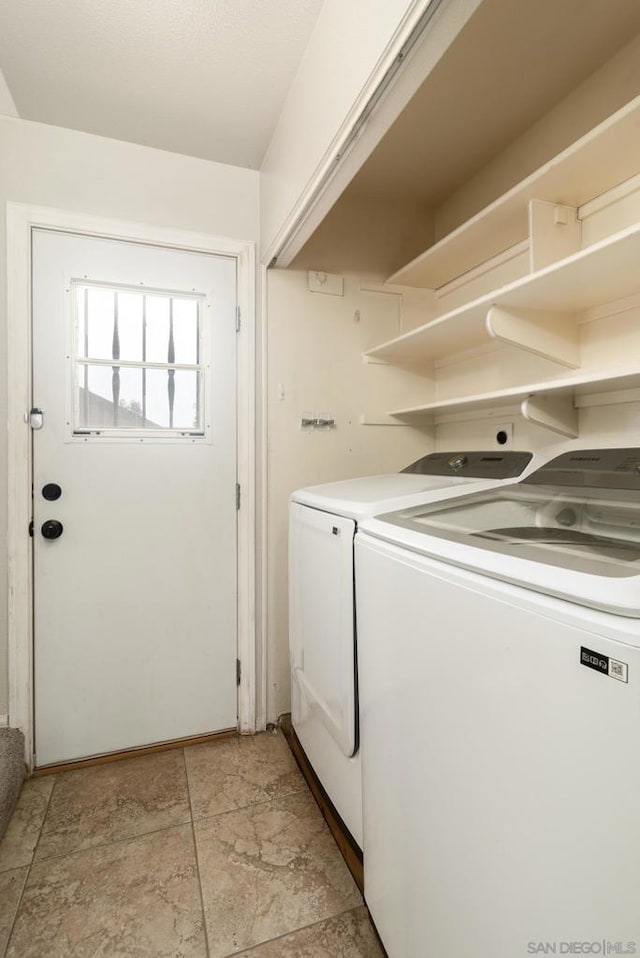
x=554 y=233
x=556 y=413
x=550 y=334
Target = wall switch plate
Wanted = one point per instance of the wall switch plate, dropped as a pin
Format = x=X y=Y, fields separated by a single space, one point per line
x=331 y=283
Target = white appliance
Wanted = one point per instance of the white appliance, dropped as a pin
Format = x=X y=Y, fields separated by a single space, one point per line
x=322 y=631
x=499 y=657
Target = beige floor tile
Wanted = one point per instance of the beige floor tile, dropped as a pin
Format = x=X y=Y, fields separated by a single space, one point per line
x=11 y=885
x=347 y=936
x=268 y=870
x=241 y=771
x=118 y=800
x=16 y=848
x=131 y=899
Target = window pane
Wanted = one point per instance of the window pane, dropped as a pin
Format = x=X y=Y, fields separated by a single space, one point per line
x=130 y=400
x=98 y=386
x=100 y=317
x=130 y=326
x=157 y=329
x=185 y=330
x=186 y=407
x=81 y=319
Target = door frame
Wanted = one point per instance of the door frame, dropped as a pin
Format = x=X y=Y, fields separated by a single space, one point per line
x=22 y=219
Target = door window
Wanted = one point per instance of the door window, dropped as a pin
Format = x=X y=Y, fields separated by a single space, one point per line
x=138 y=367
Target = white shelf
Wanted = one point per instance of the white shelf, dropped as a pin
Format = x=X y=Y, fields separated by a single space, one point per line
x=601 y=273
x=542 y=402
x=598 y=161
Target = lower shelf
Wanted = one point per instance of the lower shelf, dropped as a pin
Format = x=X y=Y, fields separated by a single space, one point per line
x=550 y=403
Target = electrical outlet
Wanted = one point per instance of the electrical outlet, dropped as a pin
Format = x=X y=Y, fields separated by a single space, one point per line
x=503 y=435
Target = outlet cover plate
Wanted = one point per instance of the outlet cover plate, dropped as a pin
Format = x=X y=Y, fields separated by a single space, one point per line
x=331 y=283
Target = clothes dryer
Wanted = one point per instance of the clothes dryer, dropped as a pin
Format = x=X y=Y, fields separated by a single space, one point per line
x=323 y=521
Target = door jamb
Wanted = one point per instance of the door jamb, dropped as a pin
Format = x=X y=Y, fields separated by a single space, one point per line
x=21 y=220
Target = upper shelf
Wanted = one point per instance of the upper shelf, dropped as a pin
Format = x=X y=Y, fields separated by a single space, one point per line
x=601 y=273
x=598 y=161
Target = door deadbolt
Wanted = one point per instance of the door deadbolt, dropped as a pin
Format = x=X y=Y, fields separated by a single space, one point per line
x=51 y=529
x=51 y=491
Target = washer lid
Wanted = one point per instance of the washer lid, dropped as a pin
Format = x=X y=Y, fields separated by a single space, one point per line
x=436 y=472
x=578 y=516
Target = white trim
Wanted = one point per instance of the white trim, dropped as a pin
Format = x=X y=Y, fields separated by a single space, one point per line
x=247 y=480
x=262 y=715
x=20 y=634
x=4 y=721
x=21 y=220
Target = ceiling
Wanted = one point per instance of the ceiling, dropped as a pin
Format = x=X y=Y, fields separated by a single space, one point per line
x=206 y=78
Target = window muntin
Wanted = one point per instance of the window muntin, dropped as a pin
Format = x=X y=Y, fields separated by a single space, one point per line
x=138 y=362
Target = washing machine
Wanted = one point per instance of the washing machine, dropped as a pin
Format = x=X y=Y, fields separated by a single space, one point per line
x=323 y=521
x=499 y=656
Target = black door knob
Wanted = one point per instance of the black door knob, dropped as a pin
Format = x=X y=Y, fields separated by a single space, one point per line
x=51 y=529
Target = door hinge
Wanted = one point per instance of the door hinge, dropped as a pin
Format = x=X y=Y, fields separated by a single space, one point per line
x=238 y=319
x=238 y=671
x=237 y=495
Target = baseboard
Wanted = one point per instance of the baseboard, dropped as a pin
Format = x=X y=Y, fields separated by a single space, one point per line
x=341 y=834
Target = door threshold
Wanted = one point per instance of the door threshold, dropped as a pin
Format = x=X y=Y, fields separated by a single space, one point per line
x=133 y=752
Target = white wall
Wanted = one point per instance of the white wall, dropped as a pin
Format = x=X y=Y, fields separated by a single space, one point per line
x=7 y=106
x=49 y=166
x=315 y=342
x=348 y=44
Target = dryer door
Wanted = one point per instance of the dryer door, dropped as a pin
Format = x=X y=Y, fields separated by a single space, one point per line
x=321 y=623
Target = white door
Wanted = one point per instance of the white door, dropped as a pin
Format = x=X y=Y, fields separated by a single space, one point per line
x=134 y=495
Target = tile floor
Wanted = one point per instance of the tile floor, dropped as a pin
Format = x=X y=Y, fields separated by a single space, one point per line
x=211 y=850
